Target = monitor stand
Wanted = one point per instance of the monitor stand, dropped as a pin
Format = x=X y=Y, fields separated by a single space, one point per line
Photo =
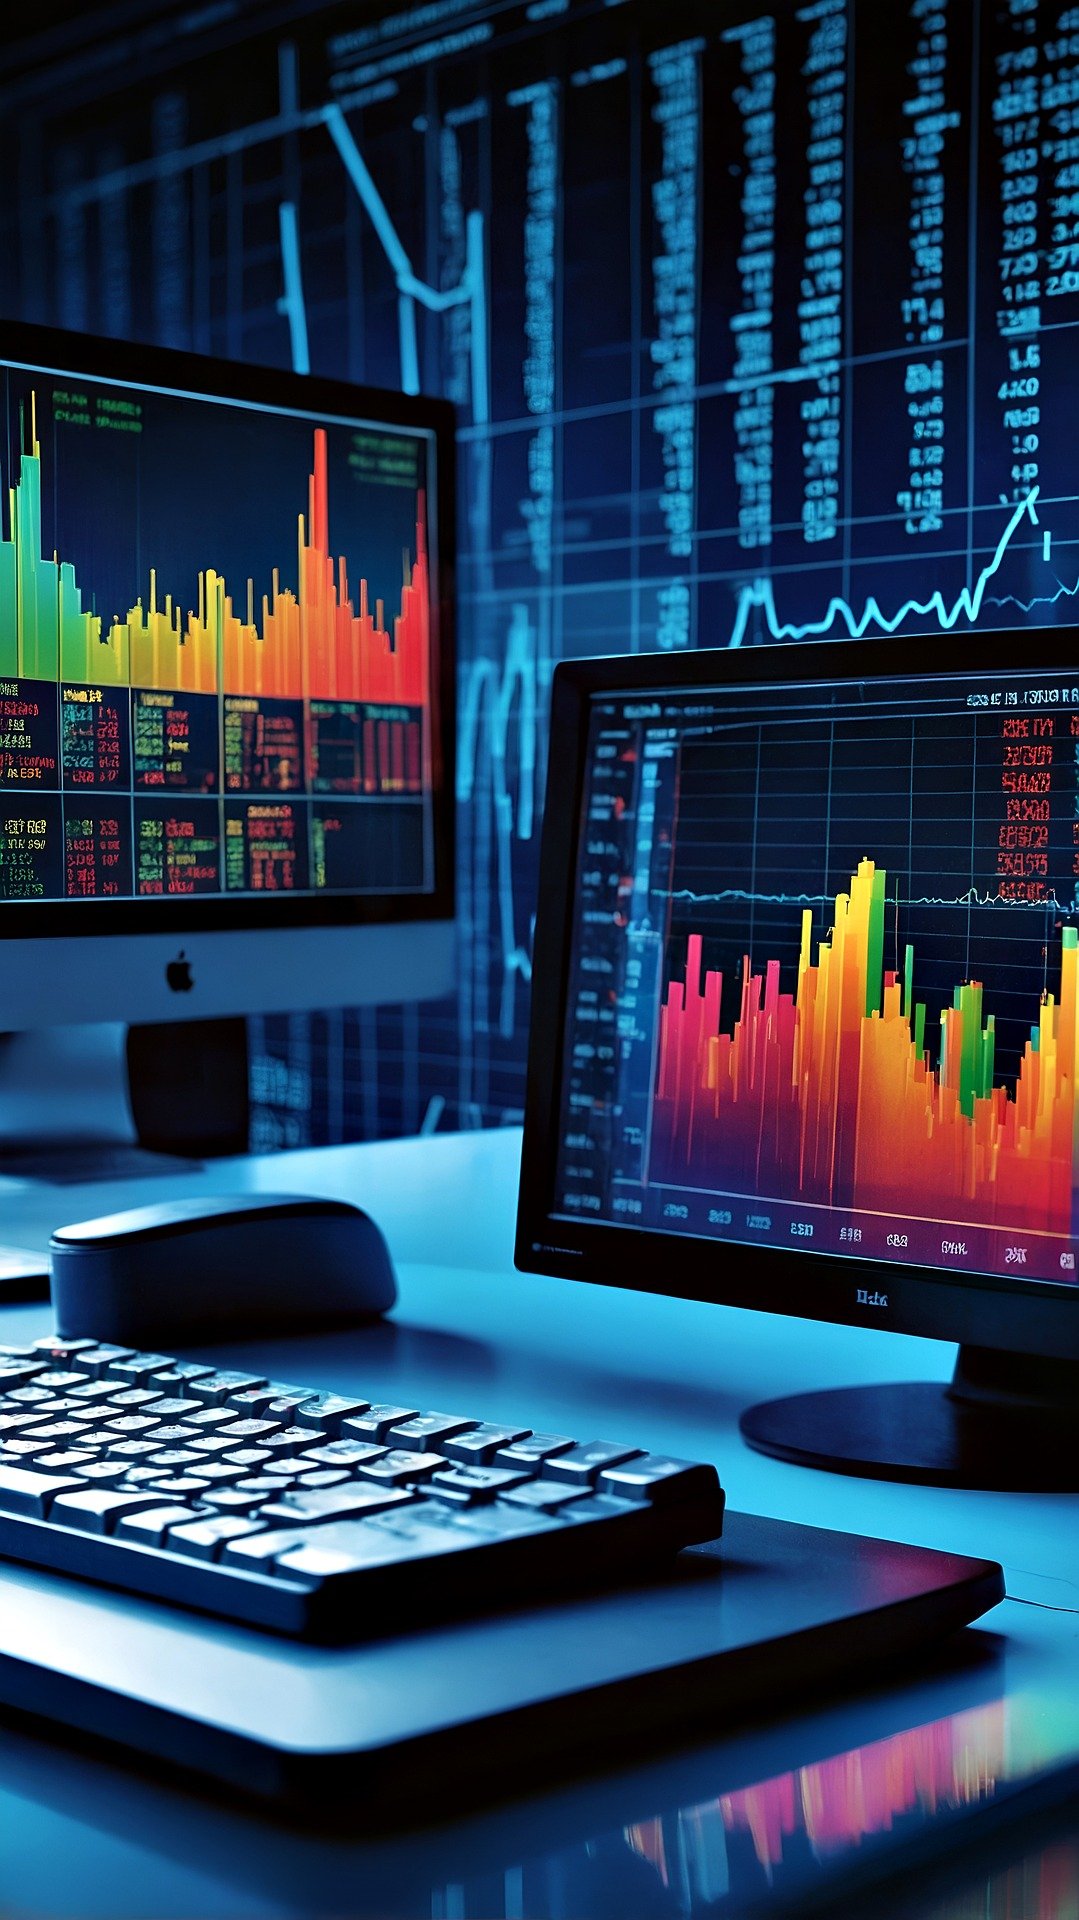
x=108 y=1101
x=1007 y=1421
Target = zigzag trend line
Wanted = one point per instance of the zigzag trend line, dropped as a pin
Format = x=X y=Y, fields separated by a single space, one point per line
x=760 y=593
x=469 y=291
x=490 y=695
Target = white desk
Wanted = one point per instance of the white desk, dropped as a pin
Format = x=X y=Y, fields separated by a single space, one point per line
x=674 y=1375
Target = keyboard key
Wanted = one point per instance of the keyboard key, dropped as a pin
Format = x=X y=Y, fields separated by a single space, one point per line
x=133 y=1450
x=544 y=1494
x=284 y=1404
x=97 y=1509
x=204 y=1539
x=256 y=1552
x=582 y=1466
x=208 y=1419
x=325 y=1411
x=22 y=1490
x=250 y=1458
x=177 y=1433
x=316 y=1506
x=376 y=1421
x=130 y=1399
x=478 y=1483
x=385 y=1543
x=170 y=1457
x=55 y=1430
x=179 y=1485
x=132 y=1424
x=478 y=1444
x=23 y=1422
x=138 y=1368
x=427 y=1428
x=96 y=1360
x=175 y=1378
x=215 y=1388
x=248 y=1402
x=231 y=1500
x=57 y=1380
x=18 y=1373
x=350 y=1545
x=531 y=1453
x=31 y=1397
x=290 y=1441
x=55 y=1348
x=151 y=1525
x=70 y=1462
x=217 y=1474
x=92 y=1390
x=323 y=1477
x=401 y=1465
x=17 y=1448
x=344 y=1453
x=242 y=1431
x=655 y=1478
x=103 y=1473
x=210 y=1446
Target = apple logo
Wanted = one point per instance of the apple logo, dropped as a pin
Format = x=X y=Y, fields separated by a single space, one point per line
x=178 y=974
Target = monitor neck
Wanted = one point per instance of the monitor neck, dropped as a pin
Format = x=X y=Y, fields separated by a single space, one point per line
x=70 y=1096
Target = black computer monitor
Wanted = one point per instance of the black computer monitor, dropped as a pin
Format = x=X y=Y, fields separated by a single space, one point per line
x=226 y=691
x=806 y=1021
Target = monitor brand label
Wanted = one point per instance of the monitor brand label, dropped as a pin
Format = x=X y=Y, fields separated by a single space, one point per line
x=867 y=1299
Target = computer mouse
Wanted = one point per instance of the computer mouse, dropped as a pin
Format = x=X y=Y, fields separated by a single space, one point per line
x=237 y=1263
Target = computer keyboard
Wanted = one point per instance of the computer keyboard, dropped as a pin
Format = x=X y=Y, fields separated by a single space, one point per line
x=310 y=1513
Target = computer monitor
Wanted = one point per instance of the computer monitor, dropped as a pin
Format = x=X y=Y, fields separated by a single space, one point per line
x=226 y=692
x=806 y=1021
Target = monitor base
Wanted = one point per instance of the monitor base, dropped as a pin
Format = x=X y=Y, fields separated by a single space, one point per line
x=97 y=1101
x=1009 y=1422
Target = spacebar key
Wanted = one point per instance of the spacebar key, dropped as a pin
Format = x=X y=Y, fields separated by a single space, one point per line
x=23 y=1491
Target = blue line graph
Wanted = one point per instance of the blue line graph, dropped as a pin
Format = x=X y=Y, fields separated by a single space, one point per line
x=470 y=290
x=972 y=898
x=291 y=303
x=968 y=603
x=490 y=696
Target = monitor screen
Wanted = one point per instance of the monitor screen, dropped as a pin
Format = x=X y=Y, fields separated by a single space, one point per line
x=817 y=976
x=220 y=629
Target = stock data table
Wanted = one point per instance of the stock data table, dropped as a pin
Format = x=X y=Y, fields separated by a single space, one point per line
x=940 y=1763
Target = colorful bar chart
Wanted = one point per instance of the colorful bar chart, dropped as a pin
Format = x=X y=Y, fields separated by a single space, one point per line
x=831 y=1096
x=307 y=642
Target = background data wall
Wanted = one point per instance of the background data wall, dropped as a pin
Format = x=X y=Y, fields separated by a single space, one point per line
x=760 y=322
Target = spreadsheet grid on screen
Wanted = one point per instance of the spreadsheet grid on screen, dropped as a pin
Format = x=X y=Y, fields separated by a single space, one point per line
x=759 y=324
x=215 y=648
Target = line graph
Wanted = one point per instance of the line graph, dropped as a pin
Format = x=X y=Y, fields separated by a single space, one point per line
x=411 y=290
x=968 y=603
x=744 y=896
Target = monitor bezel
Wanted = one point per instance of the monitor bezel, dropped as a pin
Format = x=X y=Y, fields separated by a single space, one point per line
x=132 y=362
x=981 y=1310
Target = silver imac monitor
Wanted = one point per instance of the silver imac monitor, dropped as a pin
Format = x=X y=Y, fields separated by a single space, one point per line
x=225 y=688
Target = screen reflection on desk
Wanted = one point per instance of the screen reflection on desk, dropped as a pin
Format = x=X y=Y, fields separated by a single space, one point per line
x=791 y=1836
x=756 y=1838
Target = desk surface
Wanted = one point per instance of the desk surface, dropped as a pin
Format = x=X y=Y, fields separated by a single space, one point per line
x=83 y=1837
